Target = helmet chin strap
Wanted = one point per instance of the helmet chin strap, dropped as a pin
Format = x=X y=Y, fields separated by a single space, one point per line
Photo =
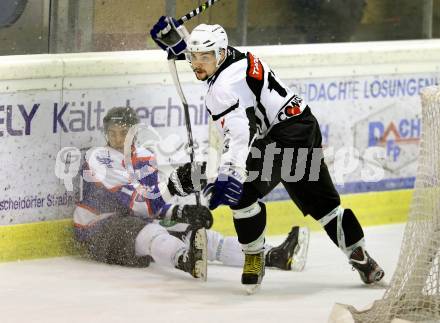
x=219 y=61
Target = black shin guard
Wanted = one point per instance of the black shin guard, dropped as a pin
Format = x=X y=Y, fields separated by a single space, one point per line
x=250 y=229
x=351 y=227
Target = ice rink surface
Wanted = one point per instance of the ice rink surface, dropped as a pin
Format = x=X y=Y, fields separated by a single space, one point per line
x=71 y=289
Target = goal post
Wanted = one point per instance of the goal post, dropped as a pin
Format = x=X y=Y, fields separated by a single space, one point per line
x=414 y=291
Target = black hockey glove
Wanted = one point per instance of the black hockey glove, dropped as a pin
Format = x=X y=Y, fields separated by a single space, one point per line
x=187 y=179
x=196 y=215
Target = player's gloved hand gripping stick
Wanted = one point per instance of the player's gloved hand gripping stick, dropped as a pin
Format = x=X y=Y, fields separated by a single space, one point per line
x=227 y=188
x=170 y=35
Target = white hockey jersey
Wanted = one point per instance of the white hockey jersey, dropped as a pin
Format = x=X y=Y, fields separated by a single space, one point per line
x=246 y=99
x=108 y=189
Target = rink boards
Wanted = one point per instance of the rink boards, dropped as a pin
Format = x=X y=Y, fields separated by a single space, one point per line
x=365 y=96
x=54 y=238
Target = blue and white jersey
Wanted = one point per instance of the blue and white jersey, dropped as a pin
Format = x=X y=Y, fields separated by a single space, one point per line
x=109 y=189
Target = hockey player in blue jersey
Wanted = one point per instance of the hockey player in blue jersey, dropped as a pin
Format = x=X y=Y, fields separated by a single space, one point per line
x=120 y=224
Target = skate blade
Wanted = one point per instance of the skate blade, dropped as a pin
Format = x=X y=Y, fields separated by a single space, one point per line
x=299 y=257
x=200 y=270
x=201 y=266
x=252 y=289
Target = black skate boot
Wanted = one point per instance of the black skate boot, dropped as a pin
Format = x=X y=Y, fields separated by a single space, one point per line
x=292 y=253
x=195 y=259
x=368 y=269
x=253 y=272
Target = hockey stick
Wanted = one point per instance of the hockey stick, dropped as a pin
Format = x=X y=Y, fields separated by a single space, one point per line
x=176 y=81
x=173 y=70
x=196 y=11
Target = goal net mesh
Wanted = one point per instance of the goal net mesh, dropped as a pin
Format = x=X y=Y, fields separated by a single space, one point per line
x=414 y=292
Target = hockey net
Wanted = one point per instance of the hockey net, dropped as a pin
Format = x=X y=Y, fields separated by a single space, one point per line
x=414 y=292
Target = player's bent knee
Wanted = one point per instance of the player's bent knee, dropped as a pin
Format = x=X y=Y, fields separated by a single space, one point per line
x=146 y=236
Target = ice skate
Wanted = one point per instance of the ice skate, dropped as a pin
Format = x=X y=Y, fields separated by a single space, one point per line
x=292 y=253
x=194 y=260
x=253 y=272
x=367 y=267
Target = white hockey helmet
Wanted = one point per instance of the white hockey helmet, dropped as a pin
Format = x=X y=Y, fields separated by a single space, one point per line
x=205 y=38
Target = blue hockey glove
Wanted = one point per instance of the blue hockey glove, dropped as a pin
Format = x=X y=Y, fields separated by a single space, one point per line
x=169 y=35
x=227 y=188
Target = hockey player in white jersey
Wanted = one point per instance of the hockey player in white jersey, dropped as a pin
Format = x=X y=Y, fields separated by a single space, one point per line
x=118 y=224
x=268 y=133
